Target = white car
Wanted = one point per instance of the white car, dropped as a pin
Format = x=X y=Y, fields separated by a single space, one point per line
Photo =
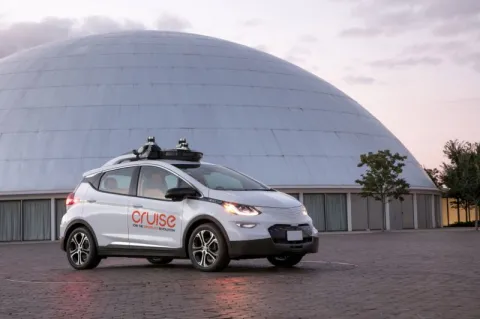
x=168 y=204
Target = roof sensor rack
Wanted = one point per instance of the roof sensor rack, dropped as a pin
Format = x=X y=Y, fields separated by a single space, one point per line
x=150 y=150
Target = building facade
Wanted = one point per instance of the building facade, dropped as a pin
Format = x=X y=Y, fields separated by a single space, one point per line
x=70 y=106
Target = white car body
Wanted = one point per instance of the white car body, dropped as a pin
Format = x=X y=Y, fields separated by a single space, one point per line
x=129 y=225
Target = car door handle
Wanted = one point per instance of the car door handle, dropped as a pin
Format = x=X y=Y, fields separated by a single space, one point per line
x=91 y=201
x=138 y=206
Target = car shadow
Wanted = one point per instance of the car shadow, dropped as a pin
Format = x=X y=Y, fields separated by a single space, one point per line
x=231 y=269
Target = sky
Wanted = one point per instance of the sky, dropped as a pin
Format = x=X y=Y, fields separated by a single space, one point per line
x=414 y=64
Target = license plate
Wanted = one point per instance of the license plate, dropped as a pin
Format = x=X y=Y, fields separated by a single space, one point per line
x=294 y=235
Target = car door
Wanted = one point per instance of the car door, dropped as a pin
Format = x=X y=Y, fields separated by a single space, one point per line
x=155 y=221
x=106 y=206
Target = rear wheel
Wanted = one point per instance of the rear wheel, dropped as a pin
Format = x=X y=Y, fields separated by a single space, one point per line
x=207 y=248
x=81 y=250
x=285 y=261
x=159 y=260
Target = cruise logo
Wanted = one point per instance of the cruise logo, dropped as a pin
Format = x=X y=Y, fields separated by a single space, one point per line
x=151 y=220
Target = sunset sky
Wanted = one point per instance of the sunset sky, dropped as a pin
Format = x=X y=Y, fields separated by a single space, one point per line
x=414 y=64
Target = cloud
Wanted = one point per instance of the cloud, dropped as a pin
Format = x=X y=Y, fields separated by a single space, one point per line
x=101 y=24
x=393 y=17
x=362 y=80
x=405 y=62
x=307 y=38
x=294 y=59
x=170 y=22
x=457 y=28
x=261 y=47
x=299 y=50
x=447 y=47
x=471 y=60
x=252 y=22
x=297 y=54
x=361 y=32
x=23 y=35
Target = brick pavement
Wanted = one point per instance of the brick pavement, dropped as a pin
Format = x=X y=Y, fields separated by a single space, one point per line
x=423 y=274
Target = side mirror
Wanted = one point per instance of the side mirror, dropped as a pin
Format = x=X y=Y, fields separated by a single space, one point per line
x=180 y=193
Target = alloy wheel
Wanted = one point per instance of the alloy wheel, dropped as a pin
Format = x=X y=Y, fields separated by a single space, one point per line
x=79 y=248
x=205 y=248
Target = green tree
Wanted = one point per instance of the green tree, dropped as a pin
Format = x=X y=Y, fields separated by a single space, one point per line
x=462 y=175
x=381 y=179
x=434 y=175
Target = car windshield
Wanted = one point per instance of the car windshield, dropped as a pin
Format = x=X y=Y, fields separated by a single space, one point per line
x=221 y=178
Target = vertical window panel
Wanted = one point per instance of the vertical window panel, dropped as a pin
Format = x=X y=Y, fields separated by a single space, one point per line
x=336 y=212
x=37 y=219
x=359 y=212
x=315 y=204
x=10 y=221
x=375 y=214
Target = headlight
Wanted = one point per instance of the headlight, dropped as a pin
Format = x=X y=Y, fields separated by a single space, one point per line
x=240 y=209
x=304 y=210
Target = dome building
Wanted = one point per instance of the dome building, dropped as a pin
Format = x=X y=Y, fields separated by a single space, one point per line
x=70 y=106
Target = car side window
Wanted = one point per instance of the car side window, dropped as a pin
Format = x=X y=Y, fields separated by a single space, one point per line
x=117 y=181
x=154 y=182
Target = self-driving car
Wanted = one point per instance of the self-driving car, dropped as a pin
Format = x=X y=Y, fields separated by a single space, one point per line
x=166 y=204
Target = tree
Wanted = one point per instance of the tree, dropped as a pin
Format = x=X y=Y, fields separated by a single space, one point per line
x=462 y=175
x=434 y=175
x=381 y=179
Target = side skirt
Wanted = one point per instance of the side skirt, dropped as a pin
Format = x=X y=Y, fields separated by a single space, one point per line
x=140 y=252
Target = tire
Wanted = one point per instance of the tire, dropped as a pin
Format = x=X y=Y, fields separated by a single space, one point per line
x=159 y=260
x=81 y=244
x=285 y=261
x=211 y=257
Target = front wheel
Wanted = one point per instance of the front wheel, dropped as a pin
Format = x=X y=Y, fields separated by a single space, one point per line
x=285 y=261
x=159 y=260
x=81 y=250
x=207 y=248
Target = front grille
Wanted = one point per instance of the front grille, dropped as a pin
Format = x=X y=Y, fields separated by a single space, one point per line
x=278 y=233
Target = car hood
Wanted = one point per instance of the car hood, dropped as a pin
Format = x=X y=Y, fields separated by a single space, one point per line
x=256 y=198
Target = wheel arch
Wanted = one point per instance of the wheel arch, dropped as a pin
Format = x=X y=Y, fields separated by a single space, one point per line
x=74 y=224
x=199 y=220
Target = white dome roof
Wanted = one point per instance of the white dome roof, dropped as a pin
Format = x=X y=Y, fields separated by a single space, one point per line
x=70 y=106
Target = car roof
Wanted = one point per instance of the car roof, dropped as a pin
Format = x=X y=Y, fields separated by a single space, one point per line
x=107 y=166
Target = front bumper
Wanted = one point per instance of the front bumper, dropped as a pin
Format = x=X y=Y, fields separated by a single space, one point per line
x=260 y=248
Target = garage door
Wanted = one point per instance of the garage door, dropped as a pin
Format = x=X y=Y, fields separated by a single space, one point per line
x=10 y=221
x=359 y=212
x=407 y=210
x=37 y=219
x=375 y=214
x=421 y=211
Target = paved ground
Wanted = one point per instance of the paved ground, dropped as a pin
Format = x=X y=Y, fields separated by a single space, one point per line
x=423 y=274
